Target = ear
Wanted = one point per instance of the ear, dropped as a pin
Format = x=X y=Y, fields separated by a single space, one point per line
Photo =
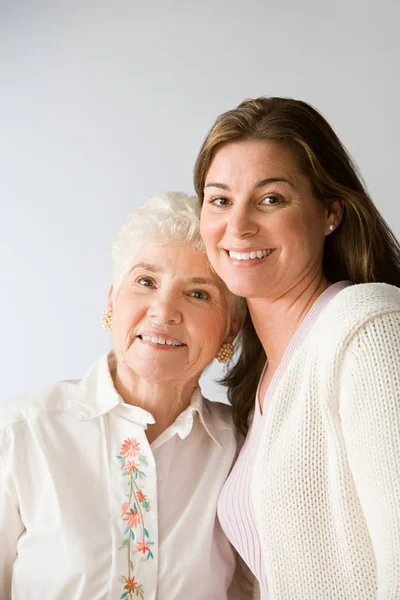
x=334 y=215
x=110 y=301
x=236 y=325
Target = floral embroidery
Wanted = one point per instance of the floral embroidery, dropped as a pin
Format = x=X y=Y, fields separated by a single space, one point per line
x=143 y=546
x=130 y=447
x=133 y=513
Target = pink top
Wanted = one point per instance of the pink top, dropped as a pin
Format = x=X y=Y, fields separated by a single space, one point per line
x=235 y=509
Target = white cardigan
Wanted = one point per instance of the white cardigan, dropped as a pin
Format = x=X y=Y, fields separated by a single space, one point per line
x=326 y=484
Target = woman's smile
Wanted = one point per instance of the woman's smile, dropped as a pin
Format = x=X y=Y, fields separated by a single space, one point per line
x=160 y=341
x=248 y=257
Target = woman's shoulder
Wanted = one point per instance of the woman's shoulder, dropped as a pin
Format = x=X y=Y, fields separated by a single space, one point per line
x=353 y=310
x=357 y=304
x=55 y=397
x=370 y=296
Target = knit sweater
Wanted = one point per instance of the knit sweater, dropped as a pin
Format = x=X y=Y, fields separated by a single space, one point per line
x=326 y=483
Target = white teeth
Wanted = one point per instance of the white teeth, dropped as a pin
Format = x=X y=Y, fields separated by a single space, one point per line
x=160 y=340
x=249 y=255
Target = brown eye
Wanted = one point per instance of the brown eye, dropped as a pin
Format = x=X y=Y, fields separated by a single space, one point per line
x=272 y=200
x=145 y=281
x=219 y=201
x=200 y=295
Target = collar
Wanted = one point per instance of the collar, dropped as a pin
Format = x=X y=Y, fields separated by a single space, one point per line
x=198 y=408
x=98 y=396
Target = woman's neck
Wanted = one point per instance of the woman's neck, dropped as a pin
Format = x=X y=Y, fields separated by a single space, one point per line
x=163 y=400
x=276 y=319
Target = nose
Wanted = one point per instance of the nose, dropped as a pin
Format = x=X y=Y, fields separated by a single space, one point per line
x=164 y=310
x=242 y=222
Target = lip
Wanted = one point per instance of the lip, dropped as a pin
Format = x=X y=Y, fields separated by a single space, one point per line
x=245 y=249
x=161 y=335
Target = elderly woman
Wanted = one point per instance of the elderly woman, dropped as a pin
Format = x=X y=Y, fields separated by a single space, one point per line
x=109 y=485
x=288 y=225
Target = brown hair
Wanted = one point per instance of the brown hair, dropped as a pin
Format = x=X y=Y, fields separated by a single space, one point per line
x=362 y=249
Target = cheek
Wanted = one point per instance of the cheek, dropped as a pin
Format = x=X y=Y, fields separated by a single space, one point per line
x=302 y=241
x=209 y=228
x=125 y=319
x=208 y=329
x=299 y=231
x=216 y=327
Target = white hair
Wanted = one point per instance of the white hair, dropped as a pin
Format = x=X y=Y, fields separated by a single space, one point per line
x=164 y=218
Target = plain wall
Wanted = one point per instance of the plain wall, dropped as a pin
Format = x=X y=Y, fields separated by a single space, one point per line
x=103 y=104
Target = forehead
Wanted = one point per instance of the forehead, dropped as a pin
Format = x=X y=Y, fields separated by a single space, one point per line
x=176 y=259
x=255 y=158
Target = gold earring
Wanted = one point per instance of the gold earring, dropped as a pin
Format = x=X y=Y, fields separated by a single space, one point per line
x=225 y=353
x=106 y=320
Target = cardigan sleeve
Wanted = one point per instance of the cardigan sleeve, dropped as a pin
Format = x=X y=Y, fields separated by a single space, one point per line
x=11 y=525
x=370 y=413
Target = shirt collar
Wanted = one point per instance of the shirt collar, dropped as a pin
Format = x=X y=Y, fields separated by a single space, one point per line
x=197 y=407
x=98 y=396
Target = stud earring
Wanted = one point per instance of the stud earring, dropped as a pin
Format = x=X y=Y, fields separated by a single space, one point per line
x=106 y=320
x=331 y=227
x=225 y=353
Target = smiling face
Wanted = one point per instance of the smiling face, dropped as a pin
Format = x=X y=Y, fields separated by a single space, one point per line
x=263 y=229
x=170 y=315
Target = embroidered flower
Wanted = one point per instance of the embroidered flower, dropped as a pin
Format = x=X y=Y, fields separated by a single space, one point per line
x=130 y=447
x=125 y=508
x=140 y=496
x=131 y=466
x=131 y=584
x=143 y=546
x=143 y=499
x=133 y=588
x=133 y=518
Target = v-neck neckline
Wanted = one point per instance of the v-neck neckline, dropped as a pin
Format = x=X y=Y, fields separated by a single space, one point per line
x=298 y=337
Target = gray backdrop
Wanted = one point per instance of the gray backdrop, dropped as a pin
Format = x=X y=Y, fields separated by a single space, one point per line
x=103 y=104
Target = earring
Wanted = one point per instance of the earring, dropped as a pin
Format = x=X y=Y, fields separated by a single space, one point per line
x=106 y=320
x=331 y=227
x=225 y=353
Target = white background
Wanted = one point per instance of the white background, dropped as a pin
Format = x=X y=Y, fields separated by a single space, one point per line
x=103 y=104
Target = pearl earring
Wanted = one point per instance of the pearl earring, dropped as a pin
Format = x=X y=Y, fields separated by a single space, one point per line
x=331 y=227
x=225 y=353
x=106 y=320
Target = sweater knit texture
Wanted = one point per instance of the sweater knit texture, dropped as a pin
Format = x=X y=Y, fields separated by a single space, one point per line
x=326 y=482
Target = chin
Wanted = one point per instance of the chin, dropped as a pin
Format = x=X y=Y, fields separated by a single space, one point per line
x=246 y=288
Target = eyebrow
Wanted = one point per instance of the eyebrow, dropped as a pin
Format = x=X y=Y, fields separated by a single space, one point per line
x=259 y=184
x=204 y=281
x=197 y=280
x=147 y=266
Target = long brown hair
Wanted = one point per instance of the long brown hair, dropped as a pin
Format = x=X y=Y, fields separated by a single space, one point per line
x=362 y=249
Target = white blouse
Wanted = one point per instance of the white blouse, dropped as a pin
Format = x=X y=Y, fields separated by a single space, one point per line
x=89 y=510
